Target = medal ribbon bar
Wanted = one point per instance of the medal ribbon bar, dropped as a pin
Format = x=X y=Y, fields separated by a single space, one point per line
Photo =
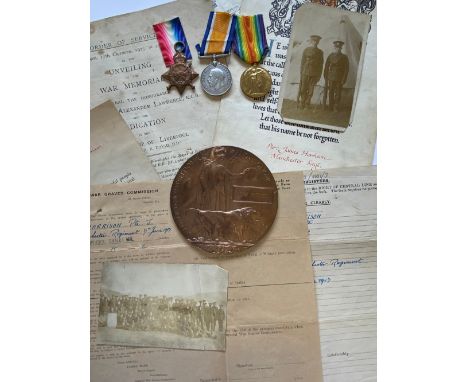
x=219 y=35
x=250 y=42
x=167 y=34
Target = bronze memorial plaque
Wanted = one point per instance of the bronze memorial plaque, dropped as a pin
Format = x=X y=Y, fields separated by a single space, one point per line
x=224 y=200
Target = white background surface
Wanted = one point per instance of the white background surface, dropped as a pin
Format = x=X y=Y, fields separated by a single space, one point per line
x=422 y=198
x=101 y=9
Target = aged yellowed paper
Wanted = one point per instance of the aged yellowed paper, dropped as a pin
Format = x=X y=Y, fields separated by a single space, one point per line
x=116 y=157
x=126 y=67
x=341 y=214
x=258 y=126
x=272 y=328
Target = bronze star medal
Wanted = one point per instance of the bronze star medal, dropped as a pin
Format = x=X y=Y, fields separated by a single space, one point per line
x=181 y=73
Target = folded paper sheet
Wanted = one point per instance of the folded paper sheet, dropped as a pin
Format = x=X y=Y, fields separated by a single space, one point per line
x=341 y=214
x=116 y=157
x=272 y=328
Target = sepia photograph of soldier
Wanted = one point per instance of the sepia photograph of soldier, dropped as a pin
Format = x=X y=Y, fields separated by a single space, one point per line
x=335 y=74
x=323 y=67
x=311 y=71
x=163 y=305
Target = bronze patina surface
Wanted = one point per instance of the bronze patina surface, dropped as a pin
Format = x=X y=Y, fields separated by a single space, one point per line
x=224 y=200
x=180 y=74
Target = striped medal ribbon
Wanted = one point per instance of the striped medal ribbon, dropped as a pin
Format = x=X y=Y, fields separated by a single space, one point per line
x=176 y=53
x=219 y=34
x=216 y=78
x=168 y=33
x=251 y=46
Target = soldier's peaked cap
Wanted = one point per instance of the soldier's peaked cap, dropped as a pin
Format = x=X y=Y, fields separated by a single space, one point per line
x=315 y=37
x=338 y=43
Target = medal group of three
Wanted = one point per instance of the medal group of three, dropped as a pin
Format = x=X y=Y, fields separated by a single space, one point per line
x=224 y=32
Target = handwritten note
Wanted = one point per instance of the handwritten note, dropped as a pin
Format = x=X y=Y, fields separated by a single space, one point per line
x=116 y=157
x=341 y=215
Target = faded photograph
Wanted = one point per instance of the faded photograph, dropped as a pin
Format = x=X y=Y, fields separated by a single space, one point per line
x=163 y=305
x=323 y=67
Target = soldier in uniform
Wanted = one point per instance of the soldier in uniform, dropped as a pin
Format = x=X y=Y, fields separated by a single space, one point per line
x=193 y=317
x=172 y=315
x=112 y=305
x=206 y=316
x=199 y=314
x=220 y=316
x=163 y=312
x=335 y=73
x=213 y=313
x=186 y=314
x=176 y=308
x=311 y=72
x=103 y=309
